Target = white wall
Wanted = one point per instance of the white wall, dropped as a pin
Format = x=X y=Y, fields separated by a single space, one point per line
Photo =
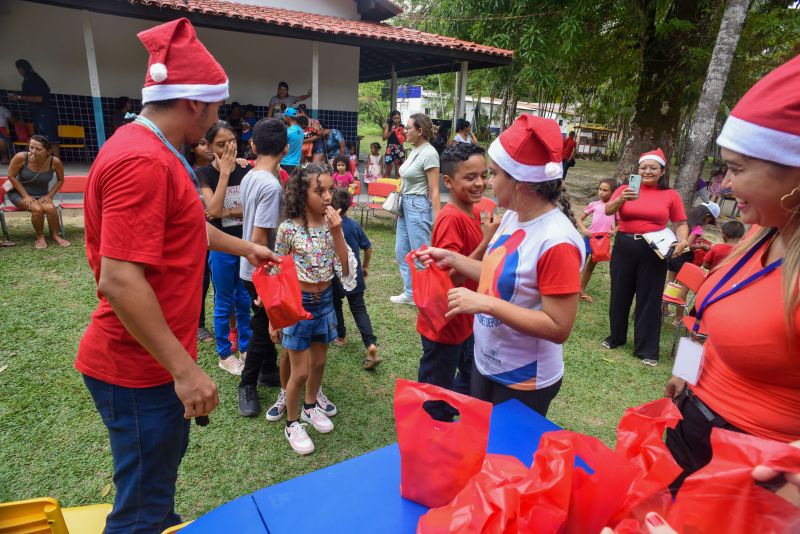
x=254 y=63
x=338 y=8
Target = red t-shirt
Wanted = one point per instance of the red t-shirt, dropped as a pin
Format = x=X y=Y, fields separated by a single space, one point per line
x=751 y=375
x=455 y=230
x=717 y=253
x=651 y=211
x=569 y=146
x=141 y=206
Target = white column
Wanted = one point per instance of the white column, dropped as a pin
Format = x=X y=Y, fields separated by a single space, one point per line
x=462 y=90
x=315 y=79
x=393 y=97
x=94 y=79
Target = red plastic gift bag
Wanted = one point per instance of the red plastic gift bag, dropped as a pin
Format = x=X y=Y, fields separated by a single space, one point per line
x=430 y=286
x=723 y=496
x=600 y=245
x=438 y=458
x=278 y=288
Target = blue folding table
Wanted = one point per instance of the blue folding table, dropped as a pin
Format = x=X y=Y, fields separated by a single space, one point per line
x=360 y=495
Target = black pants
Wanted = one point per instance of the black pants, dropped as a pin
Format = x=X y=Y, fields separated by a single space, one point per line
x=359 y=310
x=447 y=366
x=206 y=283
x=565 y=166
x=488 y=390
x=690 y=441
x=261 y=350
x=637 y=271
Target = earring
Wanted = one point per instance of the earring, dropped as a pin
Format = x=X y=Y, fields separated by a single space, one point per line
x=789 y=195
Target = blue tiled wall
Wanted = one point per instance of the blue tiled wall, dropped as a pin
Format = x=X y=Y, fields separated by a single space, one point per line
x=78 y=110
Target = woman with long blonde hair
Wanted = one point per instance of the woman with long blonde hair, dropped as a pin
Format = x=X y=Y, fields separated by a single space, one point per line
x=750 y=375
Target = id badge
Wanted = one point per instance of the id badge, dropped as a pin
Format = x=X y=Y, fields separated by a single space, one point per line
x=688 y=360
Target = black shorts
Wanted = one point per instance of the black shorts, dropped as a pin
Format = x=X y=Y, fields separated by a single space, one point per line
x=675 y=263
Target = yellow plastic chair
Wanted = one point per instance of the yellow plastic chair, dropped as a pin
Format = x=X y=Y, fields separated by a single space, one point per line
x=394 y=181
x=72 y=136
x=176 y=528
x=45 y=515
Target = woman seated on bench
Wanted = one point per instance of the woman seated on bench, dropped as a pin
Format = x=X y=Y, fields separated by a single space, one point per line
x=30 y=174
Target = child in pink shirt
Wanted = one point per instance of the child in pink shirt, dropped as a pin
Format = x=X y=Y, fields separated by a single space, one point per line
x=601 y=223
x=342 y=177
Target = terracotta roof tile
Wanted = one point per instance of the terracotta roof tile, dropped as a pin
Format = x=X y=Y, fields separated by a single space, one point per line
x=313 y=22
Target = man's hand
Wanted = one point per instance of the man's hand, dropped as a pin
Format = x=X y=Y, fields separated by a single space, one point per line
x=674 y=387
x=197 y=392
x=259 y=254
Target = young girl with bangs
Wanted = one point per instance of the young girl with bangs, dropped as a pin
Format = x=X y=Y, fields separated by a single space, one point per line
x=312 y=235
x=529 y=279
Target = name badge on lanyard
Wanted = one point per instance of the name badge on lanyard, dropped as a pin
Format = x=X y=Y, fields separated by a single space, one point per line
x=689 y=355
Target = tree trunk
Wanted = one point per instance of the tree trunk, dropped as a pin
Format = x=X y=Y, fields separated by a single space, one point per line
x=512 y=109
x=657 y=113
x=699 y=139
x=504 y=108
x=491 y=113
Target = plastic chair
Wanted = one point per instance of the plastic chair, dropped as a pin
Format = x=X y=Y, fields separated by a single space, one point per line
x=5 y=209
x=44 y=514
x=75 y=185
x=692 y=277
x=377 y=191
x=392 y=181
x=354 y=204
x=19 y=131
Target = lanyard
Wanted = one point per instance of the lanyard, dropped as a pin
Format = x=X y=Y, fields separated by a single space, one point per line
x=147 y=123
x=711 y=299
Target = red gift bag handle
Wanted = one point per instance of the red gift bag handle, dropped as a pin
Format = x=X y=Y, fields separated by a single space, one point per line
x=410 y=397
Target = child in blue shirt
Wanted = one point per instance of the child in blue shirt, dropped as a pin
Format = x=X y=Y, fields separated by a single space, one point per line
x=357 y=240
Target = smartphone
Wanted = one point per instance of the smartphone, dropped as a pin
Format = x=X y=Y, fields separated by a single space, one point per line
x=634 y=183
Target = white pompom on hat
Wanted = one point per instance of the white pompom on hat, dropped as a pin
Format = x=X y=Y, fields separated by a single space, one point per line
x=655 y=155
x=765 y=123
x=530 y=149
x=180 y=66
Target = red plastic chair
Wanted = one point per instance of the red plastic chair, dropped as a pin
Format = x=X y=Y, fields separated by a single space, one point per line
x=692 y=277
x=377 y=195
x=72 y=185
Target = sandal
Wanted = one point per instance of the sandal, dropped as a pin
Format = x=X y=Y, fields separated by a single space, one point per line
x=372 y=360
x=586 y=298
x=4 y=244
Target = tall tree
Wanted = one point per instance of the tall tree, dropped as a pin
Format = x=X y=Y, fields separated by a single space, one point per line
x=702 y=127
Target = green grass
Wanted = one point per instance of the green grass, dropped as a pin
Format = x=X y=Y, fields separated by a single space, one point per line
x=53 y=442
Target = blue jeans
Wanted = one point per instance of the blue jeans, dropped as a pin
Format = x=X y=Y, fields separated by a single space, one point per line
x=413 y=230
x=229 y=294
x=149 y=437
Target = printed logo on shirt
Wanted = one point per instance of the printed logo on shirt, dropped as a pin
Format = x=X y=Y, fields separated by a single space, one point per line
x=233 y=200
x=499 y=271
x=487 y=320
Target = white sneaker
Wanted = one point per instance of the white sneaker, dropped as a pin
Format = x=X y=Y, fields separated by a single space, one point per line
x=277 y=410
x=232 y=364
x=327 y=406
x=316 y=416
x=402 y=298
x=243 y=357
x=298 y=438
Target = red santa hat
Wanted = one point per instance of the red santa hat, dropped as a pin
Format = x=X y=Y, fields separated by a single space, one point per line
x=655 y=155
x=530 y=149
x=180 y=66
x=765 y=124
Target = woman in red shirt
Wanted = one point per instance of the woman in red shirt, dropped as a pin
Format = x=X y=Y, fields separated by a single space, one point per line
x=636 y=269
x=748 y=306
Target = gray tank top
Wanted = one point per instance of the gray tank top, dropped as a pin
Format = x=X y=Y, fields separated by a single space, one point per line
x=37 y=184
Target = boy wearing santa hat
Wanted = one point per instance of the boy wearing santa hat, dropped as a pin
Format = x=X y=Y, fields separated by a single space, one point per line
x=146 y=241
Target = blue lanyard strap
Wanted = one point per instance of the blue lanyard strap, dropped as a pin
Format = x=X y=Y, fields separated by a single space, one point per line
x=711 y=298
x=150 y=125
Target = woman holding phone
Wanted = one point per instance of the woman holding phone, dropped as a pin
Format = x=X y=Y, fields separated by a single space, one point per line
x=636 y=269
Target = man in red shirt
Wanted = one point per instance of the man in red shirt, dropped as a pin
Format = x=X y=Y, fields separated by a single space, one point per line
x=568 y=153
x=146 y=240
x=458 y=228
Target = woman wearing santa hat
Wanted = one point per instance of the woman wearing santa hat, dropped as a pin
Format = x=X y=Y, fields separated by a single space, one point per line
x=750 y=378
x=529 y=279
x=636 y=269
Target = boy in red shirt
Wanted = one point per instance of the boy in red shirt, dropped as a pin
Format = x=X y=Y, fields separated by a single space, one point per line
x=457 y=228
x=732 y=233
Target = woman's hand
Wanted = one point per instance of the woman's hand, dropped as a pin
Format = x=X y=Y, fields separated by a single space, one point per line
x=227 y=162
x=333 y=219
x=679 y=247
x=655 y=525
x=674 y=387
x=45 y=200
x=791 y=490
x=28 y=203
x=490 y=226
x=241 y=162
x=462 y=300
x=439 y=256
x=628 y=194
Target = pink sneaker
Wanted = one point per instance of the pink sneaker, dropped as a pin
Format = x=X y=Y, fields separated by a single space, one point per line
x=298 y=439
